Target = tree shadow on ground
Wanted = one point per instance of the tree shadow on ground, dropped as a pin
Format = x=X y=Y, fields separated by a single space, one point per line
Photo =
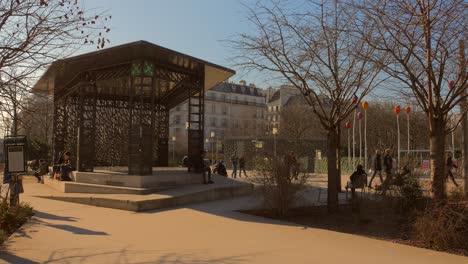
x=126 y=255
x=45 y=215
x=69 y=228
x=10 y=258
x=375 y=221
x=231 y=208
x=78 y=230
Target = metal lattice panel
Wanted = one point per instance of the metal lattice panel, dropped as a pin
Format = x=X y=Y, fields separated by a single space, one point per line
x=119 y=115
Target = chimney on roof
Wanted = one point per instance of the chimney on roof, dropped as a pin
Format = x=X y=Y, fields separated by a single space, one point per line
x=242 y=82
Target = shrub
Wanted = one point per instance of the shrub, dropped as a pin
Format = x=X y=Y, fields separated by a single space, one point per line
x=11 y=218
x=280 y=184
x=443 y=227
x=410 y=195
x=456 y=195
x=347 y=165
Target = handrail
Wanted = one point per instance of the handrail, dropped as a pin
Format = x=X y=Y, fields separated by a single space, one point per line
x=226 y=100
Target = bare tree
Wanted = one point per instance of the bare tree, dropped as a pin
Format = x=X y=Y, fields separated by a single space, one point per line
x=298 y=124
x=312 y=46
x=419 y=39
x=35 y=119
x=33 y=33
x=11 y=102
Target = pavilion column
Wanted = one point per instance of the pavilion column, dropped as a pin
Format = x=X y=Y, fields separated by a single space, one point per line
x=196 y=122
x=163 y=136
x=140 y=142
x=59 y=126
x=86 y=127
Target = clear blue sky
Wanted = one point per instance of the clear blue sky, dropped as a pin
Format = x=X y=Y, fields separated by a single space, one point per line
x=194 y=27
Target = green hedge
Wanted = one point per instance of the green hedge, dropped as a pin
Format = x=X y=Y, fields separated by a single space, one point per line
x=346 y=166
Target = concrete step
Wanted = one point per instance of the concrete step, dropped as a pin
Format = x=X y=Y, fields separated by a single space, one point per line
x=171 y=177
x=78 y=187
x=222 y=189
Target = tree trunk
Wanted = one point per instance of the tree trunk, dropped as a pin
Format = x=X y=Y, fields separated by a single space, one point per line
x=437 y=158
x=465 y=152
x=333 y=169
x=464 y=107
x=338 y=182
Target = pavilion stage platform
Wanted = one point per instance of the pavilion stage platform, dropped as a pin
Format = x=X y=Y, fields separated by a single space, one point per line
x=167 y=187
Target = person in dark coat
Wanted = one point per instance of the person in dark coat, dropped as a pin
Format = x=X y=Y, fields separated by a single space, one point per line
x=66 y=167
x=377 y=167
x=355 y=177
x=234 y=161
x=242 y=166
x=206 y=168
x=388 y=164
x=39 y=168
x=451 y=165
x=220 y=169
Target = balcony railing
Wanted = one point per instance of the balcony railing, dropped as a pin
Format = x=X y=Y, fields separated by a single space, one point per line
x=233 y=101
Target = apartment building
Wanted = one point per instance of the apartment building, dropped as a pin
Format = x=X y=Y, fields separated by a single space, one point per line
x=231 y=109
x=277 y=100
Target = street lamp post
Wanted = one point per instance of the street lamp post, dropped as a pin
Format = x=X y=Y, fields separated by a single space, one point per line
x=212 y=137
x=397 y=110
x=274 y=132
x=173 y=148
x=365 y=106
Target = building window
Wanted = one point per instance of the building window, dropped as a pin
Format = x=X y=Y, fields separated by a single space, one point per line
x=224 y=109
x=177 y=119
x=213 y=108
x=224 y=122
x=213 y=121
x=223 y=97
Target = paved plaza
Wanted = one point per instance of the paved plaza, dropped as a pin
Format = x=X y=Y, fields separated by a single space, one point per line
x=212 y=232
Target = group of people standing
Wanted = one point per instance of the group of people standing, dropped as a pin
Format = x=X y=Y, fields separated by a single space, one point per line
x=238 y=162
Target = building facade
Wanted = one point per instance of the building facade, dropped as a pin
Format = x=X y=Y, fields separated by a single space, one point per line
x=231 y=109
x=277 y=100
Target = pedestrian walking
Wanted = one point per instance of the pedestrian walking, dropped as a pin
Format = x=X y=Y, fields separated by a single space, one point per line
x=388 y=163
x=292 y=166
x=235 y=162
x=242 y=166
x=377 y=167
x=388 y=166
x=450 y=166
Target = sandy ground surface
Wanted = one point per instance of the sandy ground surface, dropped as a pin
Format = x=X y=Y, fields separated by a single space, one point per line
x=205 y=233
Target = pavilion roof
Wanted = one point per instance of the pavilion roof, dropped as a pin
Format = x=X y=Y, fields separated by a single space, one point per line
x=64 y=71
